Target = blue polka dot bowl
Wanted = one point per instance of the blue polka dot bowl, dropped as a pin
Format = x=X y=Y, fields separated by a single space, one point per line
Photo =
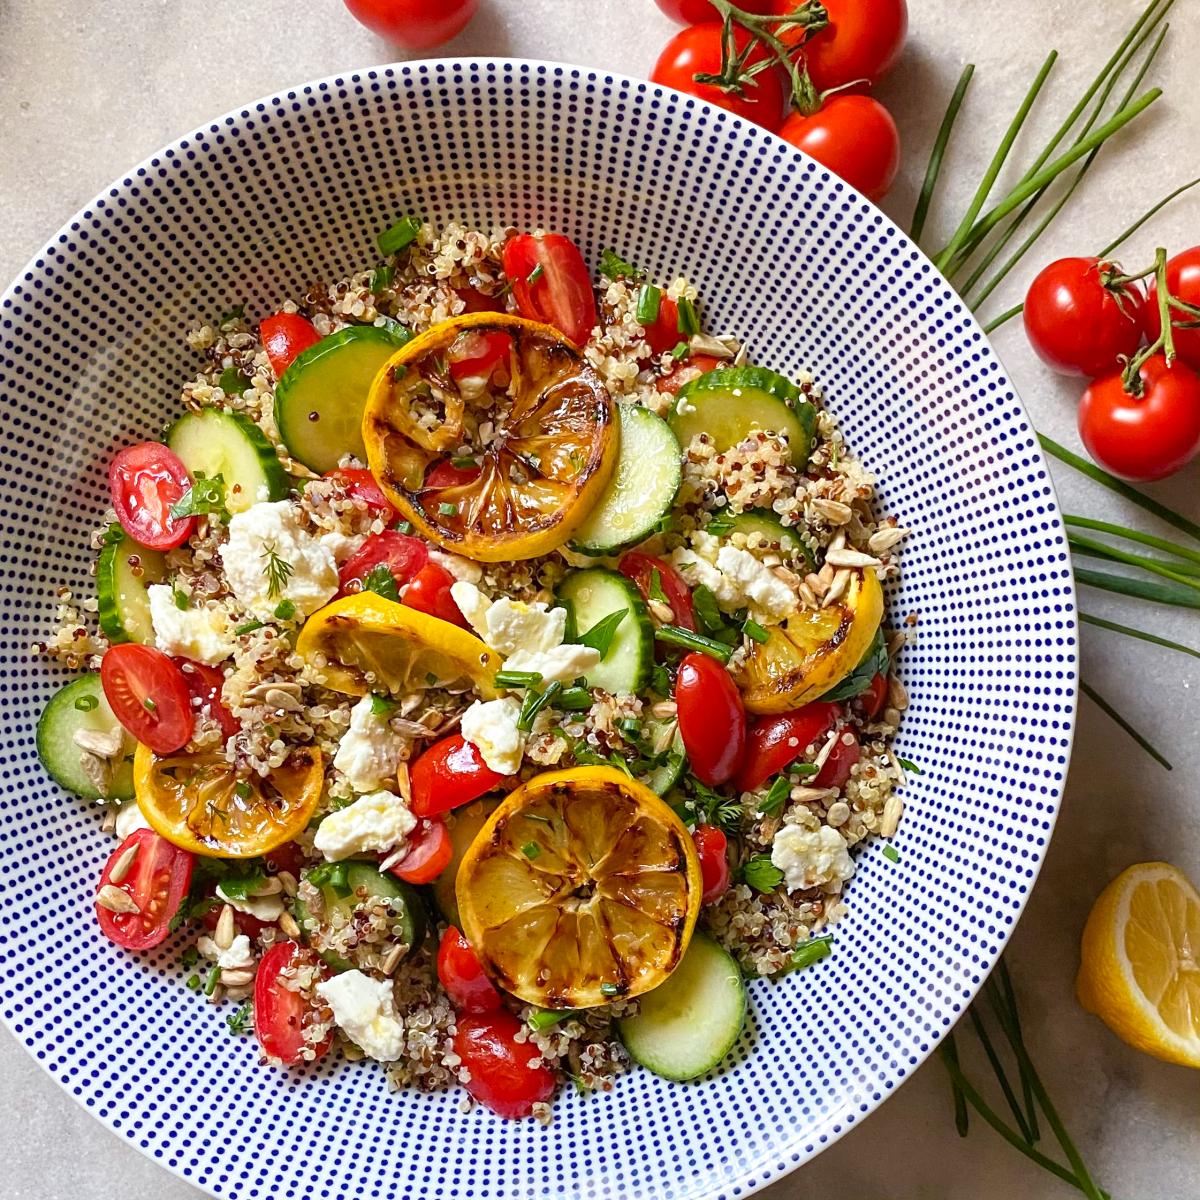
x=259 y=204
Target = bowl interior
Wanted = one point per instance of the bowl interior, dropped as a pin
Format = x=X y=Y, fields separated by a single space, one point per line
x=260 y=204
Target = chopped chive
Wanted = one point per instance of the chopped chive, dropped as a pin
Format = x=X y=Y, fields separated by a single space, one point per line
x=382 y=706
x=242 y=788
x=576 y=699
x=755 y=632
x=812 y=951
x=403 y=527
x=431 y=680
x=672 y=635
x=396 y=237
x=518 y=679
x=778 y=792
x=531 y=850
x=448 y=510
x=463 y=461
x=891 y=854
x=247 y=627
x=193 y=982
x=803 y=769
x=214 y=977
x=545 y=1018
x=910 y=767
x=609 y=989
x=680 y=351
x=87 y=703
x=649 y=301
x=689 y=322
x=613 y=266
x=533 y=704
x=381 y=278
x=535 y=275
x=285 y=610
x=149 y=705
x=1108 y=710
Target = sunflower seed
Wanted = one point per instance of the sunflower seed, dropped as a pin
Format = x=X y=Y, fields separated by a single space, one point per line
x=816 y=584
x=837 y=589
x=109 y=824
x=288 y=924
x=392 y=961
x=809 y=795
x=395 y=857
x=834 y=511
x=897 y=694
x=885 y=538
x=225 y=932
x=279 y=699
x=664 y=708
x=237 y=978
x=288 y=882
x=851 y=558
x=116 y=900
x=661 y=612
x=98 y=742
x=893 y=810
x=895 y=642
x=121 y=867
x=404 y=783
x=718 y=347
x=97 y=770
x=270 y=886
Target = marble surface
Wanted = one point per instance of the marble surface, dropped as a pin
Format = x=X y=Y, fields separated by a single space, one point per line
x=88 y=88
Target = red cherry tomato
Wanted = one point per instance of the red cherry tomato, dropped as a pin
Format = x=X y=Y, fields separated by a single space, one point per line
x=449 y=774
x=560 y=294
x=284 y=336
x=282 y=1015
x=663 y=332
x=873 y=700
x=691 y=368
x=250 y=925
x=696 y=50
x=1076 y=324
x=712 y=721
x=360 y=484
x=402 y=556
x=855 y=137
x=445 y=474
x=205 y=685
x=836 y=769
x=711 y=844
x=774 y=742
x=414 y=24
x=430 y=851
x=288 y=857
x=476 y=301
x=1147 y=437
x=501 y=1077
x=641 y=569
x=149 y=695
x=157 y=881
x=144 y=481
x=475 y=355
x=1183 y=282
x=861 y=42
x=696 y=12
x=429 y=592
x=459 y=972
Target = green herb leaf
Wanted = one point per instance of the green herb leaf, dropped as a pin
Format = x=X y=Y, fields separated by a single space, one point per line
x=777 y=793
x=533 y=704
x=233 y=382
x=285 y=610
x=761 y=873
x=891 y=853
x=205 y=496
x=239 y=1021
x=910 y=767
x=707 y=612
x=277 y=570
x=247 y=627
x=660 y=680
x=239 y=887
x=613 y=266
x=182 y=599
x=189 y=958
x=243 y=789
x=600 y=636
x=655 y=590
x=874 y=662
x=396 y=237
x=381 y=706
x=382 y=582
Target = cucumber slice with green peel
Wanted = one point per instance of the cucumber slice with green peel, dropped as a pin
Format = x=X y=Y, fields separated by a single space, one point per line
x=81 y=705
x=214 y=442
x=759 y=521
x=686 y=1025
x=319 y=401
x=124 y=605
x=642 y=489
x=591 y=595
x=667 y=774
x=343 y=892
x=729 y=403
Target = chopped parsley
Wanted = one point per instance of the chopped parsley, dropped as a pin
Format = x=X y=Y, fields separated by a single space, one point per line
x=285 y=610
x=381 y=706
x=613 y=266
x=382 y=582
x=910 y=767
x=233 y=382
x=761 y=873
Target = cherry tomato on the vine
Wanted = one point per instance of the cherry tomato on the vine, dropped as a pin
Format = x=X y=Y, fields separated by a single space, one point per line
x=430 y=851
x=414 y=24
x=284 y=336
x=1076 y=323
x=711 y=845
x=449 y=774
x=500 y=1075
x=156 y=880
x=459 y=972
x=551 y=283
x=861 y=42
x=1183 y=282
x=144 y=481
x=712 y=720
x=696 y=12
x=855 y=137
x=282 y=1014
x=149 y=696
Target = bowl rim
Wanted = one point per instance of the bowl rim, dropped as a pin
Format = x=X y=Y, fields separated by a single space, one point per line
x=789 y=1156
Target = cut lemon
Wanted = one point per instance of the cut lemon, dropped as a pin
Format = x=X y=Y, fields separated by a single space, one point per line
x=198 y=802
x=1140 y=968
x=813 y=651
x=366 y=643
x=583 y=886
x=545 y=439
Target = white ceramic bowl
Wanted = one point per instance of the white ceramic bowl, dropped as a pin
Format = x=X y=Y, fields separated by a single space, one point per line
x=266 y=200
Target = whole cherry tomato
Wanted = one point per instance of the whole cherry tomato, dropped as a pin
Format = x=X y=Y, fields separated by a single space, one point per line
x=711 y=845
x=696 y=50
x=855 y=137
x=429 y=592
x=430 y=851
x=1077 y=323
x=663 y=333
x=282 y=1014
x=144 y=481
x=642 y=569
x=859 y=45
x=774 y=742
x=1183 y=282
x=360 y=484
x=284 y=337
x=691 y=368
x=1142 y=437
x=836 y=768
x=149 y=696
x=551 y=283
x=400 y=555
x=156 y=881
x=476 y=354
x=459 y=972
x=449 y=774
x=501 y=1077
x=696 y=12
x=712 y=721
x=414 y=24
x=206 y=684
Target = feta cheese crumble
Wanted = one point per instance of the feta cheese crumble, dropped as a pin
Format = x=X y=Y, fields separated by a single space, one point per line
x=761 y=587
x=370 y=750
x=238 y=957
x=267 y=909
x=491 y=727
x=129 y=818
x=201 y=633
x=365 y=1011
x=461 y=568
x=811 y=858
x=380 y=821
x=560 y=664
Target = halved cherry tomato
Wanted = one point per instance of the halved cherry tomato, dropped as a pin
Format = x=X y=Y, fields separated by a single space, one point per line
x=288 y=857
x=284 y=336
x=691 y=368
x=430 y=851
x=445 y=474
x=475 y=354
x=774 y=742
x=459 y=972
x=476 y=301
x=156 y=881
x=641 y=569
x=361 y=485
x=711 y=844
x=450 y=773
x=873 y=700
x=144 y=481
x=205 y=684
x=855 y=137
x=429 y=592
x=836 y=769
x=501 y=1077
x=149 y=696
x=663 y=333
x=282 y=1015
x=401 y=555
x=712 y=721
x=551 y=283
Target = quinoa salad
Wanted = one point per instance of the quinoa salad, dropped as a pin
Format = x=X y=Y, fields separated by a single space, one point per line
x=487 y=673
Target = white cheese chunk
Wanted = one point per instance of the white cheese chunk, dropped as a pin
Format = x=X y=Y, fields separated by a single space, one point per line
x=472 y=603
x=461 y=568
x=365 y=1011
x=699 y=572
x=267 y=909
x=491 y=727
x=370 y=750
x=341 y=545
x=377 y=822
x=561 y=664
x=129 y=818
x=811 y=858
x=238 y=957
x=760 y=586
x=200 y=633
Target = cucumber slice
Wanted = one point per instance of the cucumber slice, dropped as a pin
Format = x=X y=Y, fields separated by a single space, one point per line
x=760 y=521
x=688 y=1024
x=463 y=823
x=591 y=595
x=319 y=401
x=124 y=605
x=730 y=402
x=81 y=705
x=363 y=885
x=643 y=486
x=667 y=774
x=214 y=442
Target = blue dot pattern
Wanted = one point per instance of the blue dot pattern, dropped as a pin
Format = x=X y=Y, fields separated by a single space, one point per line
x=258 y=205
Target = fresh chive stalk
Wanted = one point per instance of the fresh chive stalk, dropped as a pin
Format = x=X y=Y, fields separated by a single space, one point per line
x=1142 y=589
x=575 y=699
x=1140 y=634
x=1108 y=710
x=518 y=679
x=396 y=237
x=1089 y=546
x=673 y=635
x=934 y=169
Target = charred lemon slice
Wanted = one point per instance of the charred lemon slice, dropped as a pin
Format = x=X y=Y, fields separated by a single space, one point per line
x=813 y=651
x=539 y=426
x=366 y=643
x=582 y=886
x=198 y=801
